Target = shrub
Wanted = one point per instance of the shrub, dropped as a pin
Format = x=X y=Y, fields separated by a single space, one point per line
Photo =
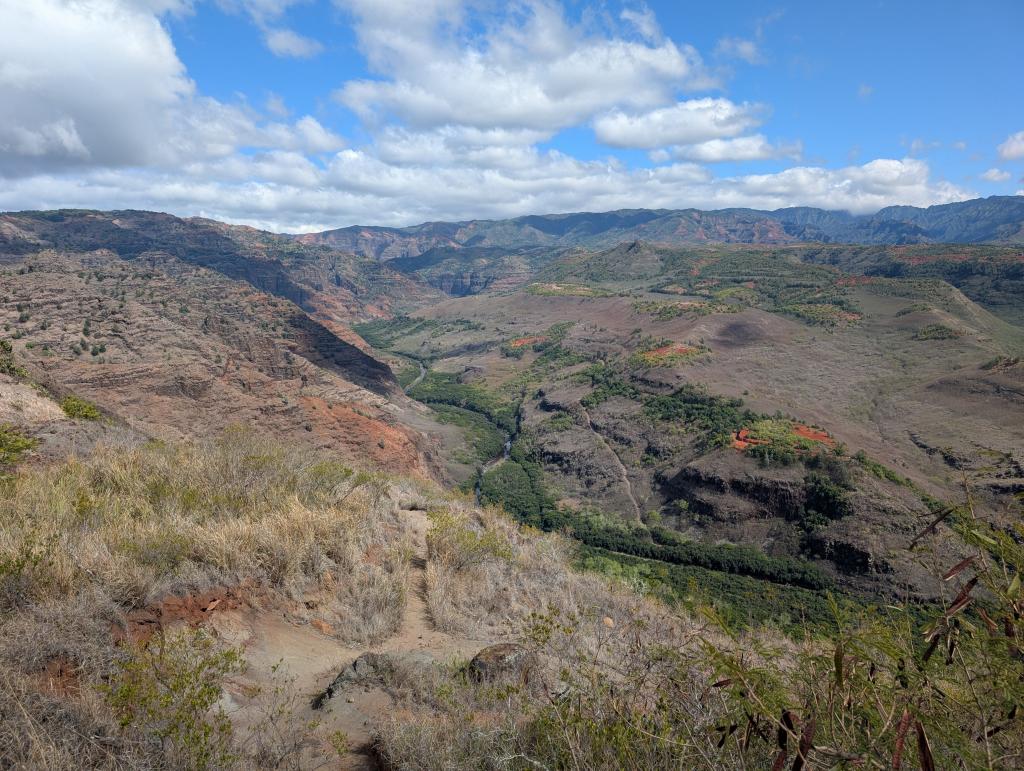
x=168 y=689
x=7 y=365
x=13 y=444
x=445 y=388
x=937 y=332
x=75 y=407
x=454 y=541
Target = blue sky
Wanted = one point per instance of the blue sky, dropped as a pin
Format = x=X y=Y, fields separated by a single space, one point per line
x=305 y=114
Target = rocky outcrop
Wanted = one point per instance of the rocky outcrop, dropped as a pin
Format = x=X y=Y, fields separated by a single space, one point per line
x=371 y=668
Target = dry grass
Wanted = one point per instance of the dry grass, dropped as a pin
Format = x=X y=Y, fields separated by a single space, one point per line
x=145 y=522
x=86 y=541
x=522 y=573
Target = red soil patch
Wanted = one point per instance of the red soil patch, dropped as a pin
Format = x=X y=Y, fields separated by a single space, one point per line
x=360 y=431
x=59 y=677
x=193 y=609
x=743 y=440
x=668 y=351
x=814 y=434
x=520 y=342
x=671 y=350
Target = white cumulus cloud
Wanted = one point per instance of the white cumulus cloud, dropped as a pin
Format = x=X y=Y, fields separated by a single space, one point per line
x=1013 y=147
x=286 y=42
x=530 y=69
x=996 y=175
x=98 y=111
x=749 y=148
x=687 y=122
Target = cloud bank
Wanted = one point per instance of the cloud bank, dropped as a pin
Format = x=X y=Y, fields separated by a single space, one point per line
x=458 y=115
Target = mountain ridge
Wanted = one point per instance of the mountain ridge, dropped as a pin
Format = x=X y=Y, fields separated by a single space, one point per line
x=997 y=219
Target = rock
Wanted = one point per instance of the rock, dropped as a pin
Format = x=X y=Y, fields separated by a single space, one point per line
x=372 y=669
x=502 y=660
x=367 y=666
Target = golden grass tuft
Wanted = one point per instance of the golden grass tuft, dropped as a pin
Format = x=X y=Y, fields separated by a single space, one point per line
x=143 y=522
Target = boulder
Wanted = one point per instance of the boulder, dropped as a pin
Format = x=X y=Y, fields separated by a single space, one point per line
x=502 y=660
x=367 y=666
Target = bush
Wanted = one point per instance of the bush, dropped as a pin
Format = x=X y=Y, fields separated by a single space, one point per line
x=13 y=444
x=454 y=541
x=168 y=689
x=7 y=365
x=509 y=485
x=937 y=332
x=75 y=407
x=824 y=501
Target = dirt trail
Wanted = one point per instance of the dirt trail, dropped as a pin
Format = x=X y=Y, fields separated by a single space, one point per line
x=313 y=658
x=618 y=463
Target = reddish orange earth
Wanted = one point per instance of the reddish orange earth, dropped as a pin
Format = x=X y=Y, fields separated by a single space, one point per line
x=668 y=351
x=743 y=440
x=814 y=434
x=521 y=342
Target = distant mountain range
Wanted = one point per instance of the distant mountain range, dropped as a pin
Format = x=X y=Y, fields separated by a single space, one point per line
x=999 y=219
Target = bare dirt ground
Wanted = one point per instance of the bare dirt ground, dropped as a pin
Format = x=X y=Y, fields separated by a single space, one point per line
x=279 y=649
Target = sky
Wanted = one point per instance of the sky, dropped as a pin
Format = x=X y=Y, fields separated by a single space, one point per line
x=303 y=115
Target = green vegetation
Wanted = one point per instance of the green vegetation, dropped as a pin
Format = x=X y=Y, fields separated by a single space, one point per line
x=1001 y=362
x=170 y=689
x=7 y=364
x=667 y=353
x=775 y=440
x=937 y=332
x=607 y=381
x=406 y=375
x=825 y=500
x=383 y=333
x=517 y=484
x=74 y=407
x=667 y=546
x=741 y=601
x=820 y=314
x=485 y=438
x=914 y=308
x=668 y=310
x=13 y=444
x=444 y=388
x=461 y=546
x=717 y=418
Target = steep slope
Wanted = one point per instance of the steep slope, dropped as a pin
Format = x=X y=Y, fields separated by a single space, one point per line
x=333 y=286
x=173 y=350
